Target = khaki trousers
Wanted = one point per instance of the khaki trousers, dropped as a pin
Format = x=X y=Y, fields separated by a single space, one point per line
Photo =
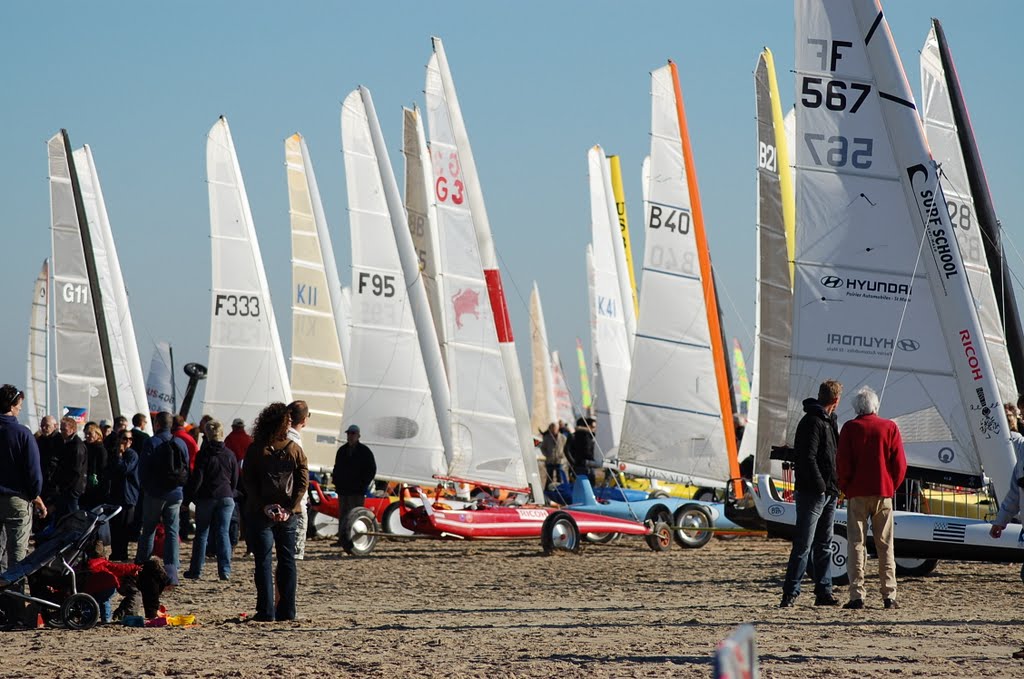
x=878 y=510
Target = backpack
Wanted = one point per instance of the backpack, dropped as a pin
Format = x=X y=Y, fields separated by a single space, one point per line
x=277 y=480
x=170 y=467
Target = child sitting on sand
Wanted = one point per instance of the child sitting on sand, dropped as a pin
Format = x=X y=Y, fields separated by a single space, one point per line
x=102 y=578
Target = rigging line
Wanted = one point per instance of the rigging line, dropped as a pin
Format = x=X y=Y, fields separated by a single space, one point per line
x=732 y=304
x=903 y=315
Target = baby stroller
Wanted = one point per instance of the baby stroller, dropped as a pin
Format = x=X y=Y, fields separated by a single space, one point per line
x=49 y=572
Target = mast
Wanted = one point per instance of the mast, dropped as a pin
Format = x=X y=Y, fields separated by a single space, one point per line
x=707 y=276
x=174 y=388
x=94 y=284
x=985 y=212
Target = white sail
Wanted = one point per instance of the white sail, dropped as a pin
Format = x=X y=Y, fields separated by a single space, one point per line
x=246 y=364
x=37 y=384
x=773 y=303
x=124 y=352
x=160 y=381
x=880 y=294
x=563 y=397
x=543 y=409
x=421 y=210
x=82 y=384
x=674 y=418
x=611 y=333
x=318 y=373
x=941 y=130
x=490 y=419
x=389 y=393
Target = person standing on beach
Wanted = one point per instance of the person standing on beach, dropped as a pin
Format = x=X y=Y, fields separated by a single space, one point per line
x=298 y=413
x=276 y=476
x=817 y=489
x=871 y=466
x=354 y=469
x=21 y=479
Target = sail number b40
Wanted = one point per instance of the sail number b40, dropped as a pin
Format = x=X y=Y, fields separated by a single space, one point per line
x=670 y=218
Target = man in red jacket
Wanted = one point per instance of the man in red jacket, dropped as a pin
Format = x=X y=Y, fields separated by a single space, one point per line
x=871 y=466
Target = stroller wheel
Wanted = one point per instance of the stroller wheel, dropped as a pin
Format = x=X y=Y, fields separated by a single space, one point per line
x=80 y=611
x=7 y=619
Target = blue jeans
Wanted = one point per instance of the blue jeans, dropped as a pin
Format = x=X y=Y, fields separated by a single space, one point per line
x=103 y=599
x=813 y=538
x=216 y=513
x=156 y=510
x=263 y=536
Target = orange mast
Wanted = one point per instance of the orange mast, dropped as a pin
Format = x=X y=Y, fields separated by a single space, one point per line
x=710 y=300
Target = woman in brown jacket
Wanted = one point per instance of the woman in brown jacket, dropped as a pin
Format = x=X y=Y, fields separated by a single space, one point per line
x=275 y=475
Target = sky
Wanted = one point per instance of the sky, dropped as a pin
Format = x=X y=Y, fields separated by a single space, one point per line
x=539 y=82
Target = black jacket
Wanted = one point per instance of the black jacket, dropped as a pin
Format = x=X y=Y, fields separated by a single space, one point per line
x=354 y=469
x=50 y=450
x=215 y=475
x=580 y=450
x=817 y=436
x=73 y=462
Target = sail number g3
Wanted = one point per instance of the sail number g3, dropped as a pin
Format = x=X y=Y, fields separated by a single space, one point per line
x=75 y=294
x=379 y=284
x=672 y=219
x=236 y=305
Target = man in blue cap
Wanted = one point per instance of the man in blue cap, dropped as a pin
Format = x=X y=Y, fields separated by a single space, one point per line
x=354 y=469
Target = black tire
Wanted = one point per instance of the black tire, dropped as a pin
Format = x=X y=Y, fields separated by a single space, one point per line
x=360 y=534
x=705 y=495
x=658 y=513
x=659 y=494
x=391 y=521
x=600 y=538
x=7 y=618
x=80 y=611
x=837 y=557
x=660 y=539
x=915 y=567
x=320 y=525
x=689 y=523
x=560 y=533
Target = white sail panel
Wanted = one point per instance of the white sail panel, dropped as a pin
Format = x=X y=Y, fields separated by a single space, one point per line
x=124 y=352
x=388 y=396
x=160 y=381
x=673 y=416
x=563 y=397
x=37 y=385
x=318 y=374
x=490 y=422
x=611 y=344
x=874 y=282
x=543 y=411
x=421 y=210
x=81 y=376
x=246 y=364
x=941 y=130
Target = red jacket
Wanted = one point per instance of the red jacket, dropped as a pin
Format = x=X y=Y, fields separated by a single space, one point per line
x=190 y=443
x=238 y=442
x=870 y=457
x=103 y=575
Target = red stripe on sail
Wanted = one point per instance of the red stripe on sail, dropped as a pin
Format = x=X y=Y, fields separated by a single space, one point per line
x=498 y=306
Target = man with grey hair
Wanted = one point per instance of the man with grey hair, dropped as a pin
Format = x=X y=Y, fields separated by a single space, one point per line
x=871 y=466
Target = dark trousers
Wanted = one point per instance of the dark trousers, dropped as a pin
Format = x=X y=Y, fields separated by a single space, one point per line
x=812 y=541
x=120 y=530
x=264 y=535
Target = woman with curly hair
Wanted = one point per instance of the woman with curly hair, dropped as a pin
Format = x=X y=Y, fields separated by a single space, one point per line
x=276 y=476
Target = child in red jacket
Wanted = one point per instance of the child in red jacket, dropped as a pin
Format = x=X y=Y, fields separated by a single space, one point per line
x=102 y=578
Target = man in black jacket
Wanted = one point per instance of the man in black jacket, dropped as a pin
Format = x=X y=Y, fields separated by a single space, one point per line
x=354 y=469
x=817 y=488
x=71 y=476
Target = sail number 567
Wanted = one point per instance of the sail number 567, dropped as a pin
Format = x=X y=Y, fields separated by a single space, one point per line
x=839 y=150
x=833 y=94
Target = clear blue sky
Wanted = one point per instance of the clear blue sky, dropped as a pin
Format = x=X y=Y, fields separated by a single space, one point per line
x=539 y=83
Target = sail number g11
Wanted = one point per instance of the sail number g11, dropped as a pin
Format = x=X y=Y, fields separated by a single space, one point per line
x=236 y=305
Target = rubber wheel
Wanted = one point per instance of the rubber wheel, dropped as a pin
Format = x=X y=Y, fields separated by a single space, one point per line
x=690 y=522
x=915 y=567
x=659 y=514
x=660 y=539
x=391 y=522
x=80 y=611
x=600 y=538
x=705 y=495
x=837 y=557
x=359 y=537
x=659 y=494
x=560 y=533
x=7 y=619
x=320 y=525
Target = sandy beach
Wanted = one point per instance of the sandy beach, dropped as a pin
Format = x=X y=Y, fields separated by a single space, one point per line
x=503 y=609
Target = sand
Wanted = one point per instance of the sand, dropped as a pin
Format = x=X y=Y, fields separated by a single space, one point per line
x=429 y=608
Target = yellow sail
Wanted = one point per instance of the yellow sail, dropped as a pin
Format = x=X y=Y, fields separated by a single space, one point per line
x=620 y=207
x=785 y=170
